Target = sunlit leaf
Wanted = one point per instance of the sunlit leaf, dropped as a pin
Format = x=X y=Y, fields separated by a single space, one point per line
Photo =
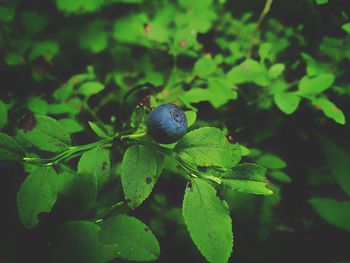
x=247 y=178
x=248 y=71
x=287 y=102
x=38 y=105
x=276 y=70
x=208 y=147
x=316 y=84
x=91 y=88
x=330 y=110
x=204 y=67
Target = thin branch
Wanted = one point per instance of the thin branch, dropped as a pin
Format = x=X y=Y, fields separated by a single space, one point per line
x=265 y=11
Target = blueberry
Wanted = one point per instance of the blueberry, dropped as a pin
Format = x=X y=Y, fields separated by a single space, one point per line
x=167 y=123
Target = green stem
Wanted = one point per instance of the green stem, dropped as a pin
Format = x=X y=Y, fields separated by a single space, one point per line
x=212 y=178
x=184 y=165
x=91 y=111
x=264 y=12
x=133 y=136
x=109 y=210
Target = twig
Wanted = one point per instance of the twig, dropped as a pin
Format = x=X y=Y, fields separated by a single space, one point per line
x=265 y=11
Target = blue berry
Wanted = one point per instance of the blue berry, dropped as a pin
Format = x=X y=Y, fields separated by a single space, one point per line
x=167 y=123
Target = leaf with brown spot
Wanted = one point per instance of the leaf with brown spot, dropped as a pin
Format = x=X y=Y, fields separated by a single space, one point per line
x=208 y=220
x=44 y=132
x=97 y=163
x=141 y=168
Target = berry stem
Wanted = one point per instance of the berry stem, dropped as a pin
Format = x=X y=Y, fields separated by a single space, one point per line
x=133 y=136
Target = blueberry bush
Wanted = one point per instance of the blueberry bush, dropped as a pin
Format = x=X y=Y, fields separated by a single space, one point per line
x=174 y=131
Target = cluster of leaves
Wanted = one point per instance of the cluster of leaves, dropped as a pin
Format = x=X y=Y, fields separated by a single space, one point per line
x=142 y=164
x=157 y=48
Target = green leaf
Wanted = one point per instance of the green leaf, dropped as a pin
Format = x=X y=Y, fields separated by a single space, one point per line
x=91 y=88
x=191 y=117
x=71 y=125
x=218 y=93
x=334 y=212
x=94 y=37
x=157 y=32
x=37 y=194
x=271 y=162
x=196 y=20
x=138 y=119
x=13 y=59
x=315 y=85
x=184 y=40
x=65 y=178
x=99 y=129
x=79 y=192
x=44 y=132
x=97 y=163
x=330 y=110
x=338 y=161
x=287 y=102
x=63 y=92
x=276 y=70
x=134 y=239
x=78 y=6
x=208 y=147
x=265 y=50
x=321 y=2
x=204 y=67
x=281 y=176
x=247 y=178
x=313 y=68
x=208 y=220
x=196 y=95
x=130 y=29
x=346 y=27
x=10 y=150
x=221 y=91
x=141 y=168
x=248 y=71
x=7 y=14
x=195 y=4
x=34 y=21
x=78 y=241
x=3 y=114
x=244 y=150
x=38 y=105
x=46 y=49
